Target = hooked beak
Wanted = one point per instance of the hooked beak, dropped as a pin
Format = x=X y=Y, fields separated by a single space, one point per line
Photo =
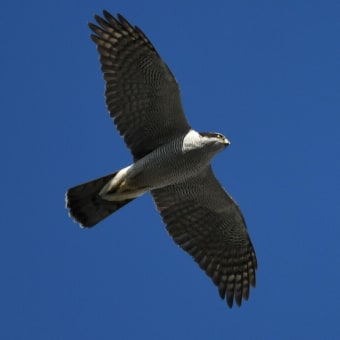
x=226 y=142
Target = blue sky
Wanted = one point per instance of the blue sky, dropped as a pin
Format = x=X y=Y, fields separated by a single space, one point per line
x=267 y=75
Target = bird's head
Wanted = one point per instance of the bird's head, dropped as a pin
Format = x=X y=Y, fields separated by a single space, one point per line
x=216 y=139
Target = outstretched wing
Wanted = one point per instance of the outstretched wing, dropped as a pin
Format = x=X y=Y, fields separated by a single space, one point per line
x=205 y=221
x=142 y=94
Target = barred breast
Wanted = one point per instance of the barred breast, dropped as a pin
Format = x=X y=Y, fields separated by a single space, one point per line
x=182 y=158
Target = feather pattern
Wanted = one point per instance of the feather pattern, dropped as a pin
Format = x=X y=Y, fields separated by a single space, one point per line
x=141 y=93
x=206 y=222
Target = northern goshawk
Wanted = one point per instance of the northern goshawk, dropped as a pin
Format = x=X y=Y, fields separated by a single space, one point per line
x=171 y=160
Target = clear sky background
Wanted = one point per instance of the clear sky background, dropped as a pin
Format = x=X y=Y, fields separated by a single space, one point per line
x=264 y=73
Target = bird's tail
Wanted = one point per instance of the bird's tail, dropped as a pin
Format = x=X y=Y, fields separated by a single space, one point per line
x=85 y=204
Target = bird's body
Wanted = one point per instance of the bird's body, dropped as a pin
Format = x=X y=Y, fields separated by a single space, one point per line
x=171 y=160
x=180 y=159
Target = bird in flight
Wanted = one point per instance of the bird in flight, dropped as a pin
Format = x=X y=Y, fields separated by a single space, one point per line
x=170 y=160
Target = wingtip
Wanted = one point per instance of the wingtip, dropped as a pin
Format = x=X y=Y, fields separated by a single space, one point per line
x=108 y=16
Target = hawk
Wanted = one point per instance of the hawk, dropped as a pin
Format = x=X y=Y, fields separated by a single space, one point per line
x=171 y=161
